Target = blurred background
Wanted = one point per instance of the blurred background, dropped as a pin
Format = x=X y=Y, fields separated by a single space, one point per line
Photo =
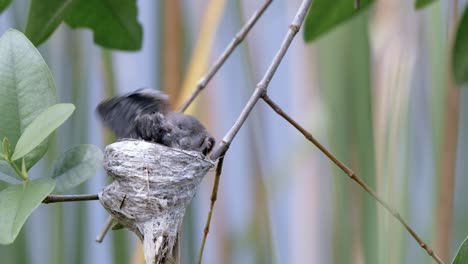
x=377 y=91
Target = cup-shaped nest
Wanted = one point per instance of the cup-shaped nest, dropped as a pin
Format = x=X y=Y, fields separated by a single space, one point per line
x=152 y=185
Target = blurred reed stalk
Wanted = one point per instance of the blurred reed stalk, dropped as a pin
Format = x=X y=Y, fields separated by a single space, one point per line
x=120 y=237
x=446 y=177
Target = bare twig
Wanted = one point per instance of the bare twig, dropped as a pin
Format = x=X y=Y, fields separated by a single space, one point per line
x=109 y=223
x=263 y=84
x=357 y=4
x=107 y=226
x=353 y=176
x=226 y=53
x=214 y=196
x=70 y=198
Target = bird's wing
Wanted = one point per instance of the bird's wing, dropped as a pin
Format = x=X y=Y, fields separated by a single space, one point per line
x=119 y=113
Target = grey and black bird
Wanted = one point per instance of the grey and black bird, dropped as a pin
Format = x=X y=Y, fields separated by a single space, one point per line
x=144 y=114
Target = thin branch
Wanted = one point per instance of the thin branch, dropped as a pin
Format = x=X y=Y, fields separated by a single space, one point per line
x=107 y=226
x=214 y=196
x=203 y=82
x=353 y=176
x=357 y=4
x=262 y=86
x=70 y=198
x=109 y=223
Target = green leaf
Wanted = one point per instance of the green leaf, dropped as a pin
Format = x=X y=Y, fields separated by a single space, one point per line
x=460 y=50
x=114 y=22
x=7 y=173
x=6 y=148
x=44 y=17
x=462 y=255
x=17 y=202
x=39 y=129
x=324 y=15
x=26 y=89
x=419 y=4
x=4 y=4
x=76 y=166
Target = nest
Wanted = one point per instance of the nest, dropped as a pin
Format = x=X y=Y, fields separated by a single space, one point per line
x=152 y=185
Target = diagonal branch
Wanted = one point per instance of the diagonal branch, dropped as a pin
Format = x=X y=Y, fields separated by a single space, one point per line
x=353 y=176
x=203 y=82
x=262 y=86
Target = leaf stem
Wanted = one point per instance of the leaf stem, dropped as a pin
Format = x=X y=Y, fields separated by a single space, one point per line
x=17 y=170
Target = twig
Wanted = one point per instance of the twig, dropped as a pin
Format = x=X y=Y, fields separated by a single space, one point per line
x=353 y=176
x=357 y=4
x=214 y=196
x=226 y=53
x=107 y=226
x=70 y=198
x=263 y=84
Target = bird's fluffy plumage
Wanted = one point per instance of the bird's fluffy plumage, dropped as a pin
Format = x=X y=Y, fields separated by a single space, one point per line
x=144 y=114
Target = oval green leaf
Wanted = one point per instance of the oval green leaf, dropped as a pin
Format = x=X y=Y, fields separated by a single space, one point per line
x=460 y=50
x=114 y=22
x=76 y=166
x=17 y=202
x=324 y=15
x=39 y=129
x=44 y=17
x=419 y=4
x=462 y=254
x=26 y=89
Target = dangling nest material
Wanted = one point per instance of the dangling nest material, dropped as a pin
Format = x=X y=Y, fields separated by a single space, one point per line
x=153 y=184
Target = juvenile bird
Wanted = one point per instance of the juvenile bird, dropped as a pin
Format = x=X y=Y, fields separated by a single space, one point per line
x=144 y=114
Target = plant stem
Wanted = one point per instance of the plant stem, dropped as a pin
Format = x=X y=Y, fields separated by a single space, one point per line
x=17 y=170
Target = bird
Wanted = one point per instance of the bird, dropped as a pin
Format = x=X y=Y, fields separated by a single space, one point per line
x=144 y=114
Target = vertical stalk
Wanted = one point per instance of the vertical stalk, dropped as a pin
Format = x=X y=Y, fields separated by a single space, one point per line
x=120 y=238
x=262 y=241
x=171 y=48
x=446 y=177
x=347 y=91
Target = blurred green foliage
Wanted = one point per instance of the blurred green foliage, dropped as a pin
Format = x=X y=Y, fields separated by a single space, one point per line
x=460 y=50
x=419 y=4
x=325 y=15
x=114 y=23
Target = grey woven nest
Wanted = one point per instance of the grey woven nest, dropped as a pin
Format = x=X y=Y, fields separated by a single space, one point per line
x=152 y=185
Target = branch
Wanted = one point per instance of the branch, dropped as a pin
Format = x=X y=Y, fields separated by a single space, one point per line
x=353 y=176
x=214 y=196
x=357 y=4
x=107 y=226
x=203 y=82
x=70 y=198
x=262 y=86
